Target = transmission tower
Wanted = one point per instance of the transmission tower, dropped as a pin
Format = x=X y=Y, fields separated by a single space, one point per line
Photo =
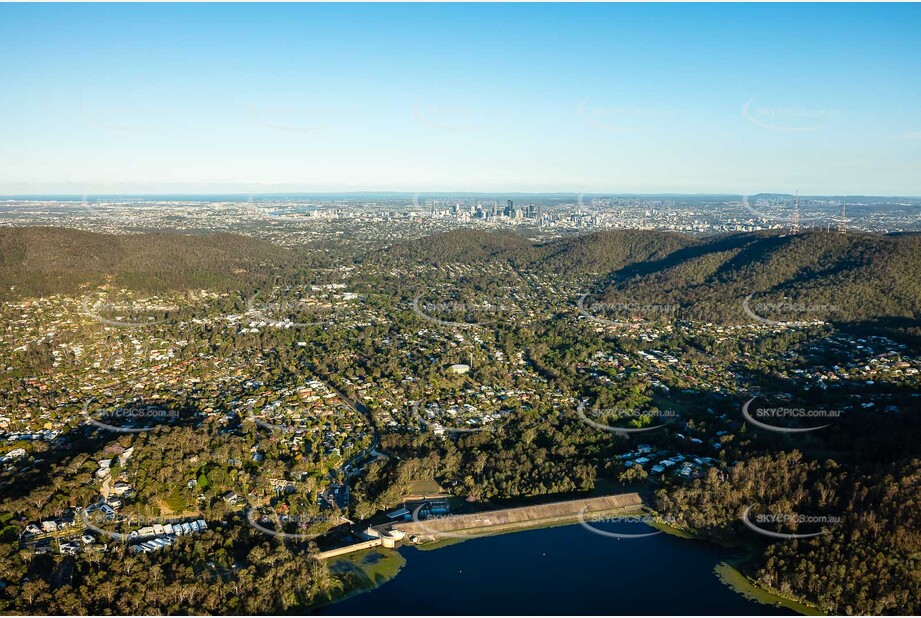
x=842 y=224
x=795 y=226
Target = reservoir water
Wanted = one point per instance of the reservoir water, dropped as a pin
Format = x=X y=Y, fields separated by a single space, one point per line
x=562 y=570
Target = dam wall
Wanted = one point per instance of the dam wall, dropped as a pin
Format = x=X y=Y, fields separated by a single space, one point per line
x=492 y=522
x=520 y=517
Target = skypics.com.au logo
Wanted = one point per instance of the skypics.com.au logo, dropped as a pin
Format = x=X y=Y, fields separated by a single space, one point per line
x=121 y=419
x=453 y=310
x=274 y=525
x=787 y=119
x=297 y=118
x=809 y=212
x=296 y=309
x=280 y=418
x=759 y=522
x=757 y=310
x=637 y=420
x=436 y=424
x=451 y=117
x=283 y=419
x=622 y=526
x=125 y=313
x=136 y=528
x=621 y=118
x=771 y=418
x=440 y=526
x=617 y=313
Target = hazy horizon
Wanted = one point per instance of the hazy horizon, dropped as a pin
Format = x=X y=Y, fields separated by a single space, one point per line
x=244 y=195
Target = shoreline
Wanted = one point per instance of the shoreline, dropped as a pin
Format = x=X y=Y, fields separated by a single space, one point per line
x=730 y=573
x=356 y=575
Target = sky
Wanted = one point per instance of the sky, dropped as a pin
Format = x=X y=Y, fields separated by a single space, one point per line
x=589 y=98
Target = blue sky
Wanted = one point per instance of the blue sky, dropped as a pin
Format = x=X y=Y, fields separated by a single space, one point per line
x=820 y=98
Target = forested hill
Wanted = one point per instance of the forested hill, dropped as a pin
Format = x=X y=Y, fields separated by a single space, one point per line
x=36 y=261
x=600 y=253
x=815 y=274
x=820 y=275
x=460 y=246
x=596 y=253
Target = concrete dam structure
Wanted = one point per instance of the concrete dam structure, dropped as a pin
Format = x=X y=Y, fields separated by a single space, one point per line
x=490 y=522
